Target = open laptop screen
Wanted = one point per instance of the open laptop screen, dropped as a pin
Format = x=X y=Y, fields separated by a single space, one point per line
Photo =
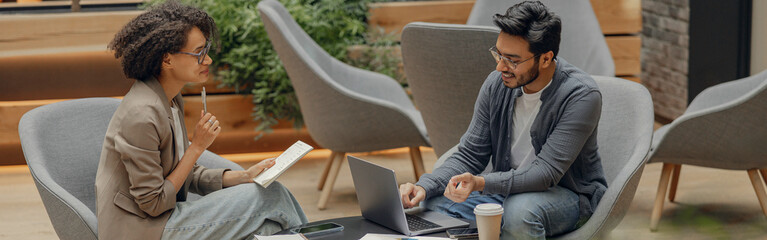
x=378 y=194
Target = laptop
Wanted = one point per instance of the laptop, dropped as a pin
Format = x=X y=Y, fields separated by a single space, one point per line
x=379 y=199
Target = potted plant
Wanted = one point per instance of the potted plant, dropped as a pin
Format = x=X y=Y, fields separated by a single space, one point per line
x=246 y=61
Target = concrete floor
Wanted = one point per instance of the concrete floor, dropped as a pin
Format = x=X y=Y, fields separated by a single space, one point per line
x=711 y=203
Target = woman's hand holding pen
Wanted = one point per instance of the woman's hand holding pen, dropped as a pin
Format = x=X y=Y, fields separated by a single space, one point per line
x=206 y=130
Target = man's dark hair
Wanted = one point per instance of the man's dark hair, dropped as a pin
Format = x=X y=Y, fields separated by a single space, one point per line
x=162 y=29
x=533 y=22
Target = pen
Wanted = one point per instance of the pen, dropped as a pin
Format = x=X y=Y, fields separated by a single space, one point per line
x=204 y=103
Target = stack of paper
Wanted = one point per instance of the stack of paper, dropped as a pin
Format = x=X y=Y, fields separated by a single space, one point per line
x=282 y=163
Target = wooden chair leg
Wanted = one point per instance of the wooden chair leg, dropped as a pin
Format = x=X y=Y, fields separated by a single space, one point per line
x=327 y=169
x=753 y=174
x=764 y=174
x=415 y=157
x=674 y=182
x=660 y=196
x=332 y=175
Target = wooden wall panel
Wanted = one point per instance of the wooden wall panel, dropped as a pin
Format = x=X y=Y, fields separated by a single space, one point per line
x=618 y=16
x=31 y=31
x=625 y=51
x=393 y=16
x=62 y=75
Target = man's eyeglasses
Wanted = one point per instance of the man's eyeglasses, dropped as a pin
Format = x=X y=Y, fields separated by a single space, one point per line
x=201 y=55
x=511 y=64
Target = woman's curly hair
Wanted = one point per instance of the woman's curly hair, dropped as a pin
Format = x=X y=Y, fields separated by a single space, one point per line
x=163 y=29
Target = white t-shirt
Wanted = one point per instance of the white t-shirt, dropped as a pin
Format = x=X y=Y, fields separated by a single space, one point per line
x=526 y=108
x=178 y=131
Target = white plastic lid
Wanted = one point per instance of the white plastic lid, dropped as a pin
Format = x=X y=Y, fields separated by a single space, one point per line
x=488 y=209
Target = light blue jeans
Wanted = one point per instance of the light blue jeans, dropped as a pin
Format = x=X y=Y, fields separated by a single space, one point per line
x=236 y=212
x=531 y=215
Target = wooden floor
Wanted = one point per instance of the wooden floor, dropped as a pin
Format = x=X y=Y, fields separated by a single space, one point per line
x=711 y=203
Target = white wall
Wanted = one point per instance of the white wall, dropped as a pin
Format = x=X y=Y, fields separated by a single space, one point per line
x=759 y=36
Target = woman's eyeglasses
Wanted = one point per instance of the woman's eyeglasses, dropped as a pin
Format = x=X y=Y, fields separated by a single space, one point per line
x=201 y=55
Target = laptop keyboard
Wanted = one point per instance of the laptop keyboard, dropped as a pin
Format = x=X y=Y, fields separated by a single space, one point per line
x=416 y=223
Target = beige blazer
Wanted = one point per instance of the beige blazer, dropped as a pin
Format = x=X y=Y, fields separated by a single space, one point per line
x=133 y=199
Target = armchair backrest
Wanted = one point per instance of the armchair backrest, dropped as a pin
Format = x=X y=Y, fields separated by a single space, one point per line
x=583 y=43
x=62 y=145
x=726 y=122
x=446 y=65
x=625 y=126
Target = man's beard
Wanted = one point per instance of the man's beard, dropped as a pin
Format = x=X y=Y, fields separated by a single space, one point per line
x=528 y=77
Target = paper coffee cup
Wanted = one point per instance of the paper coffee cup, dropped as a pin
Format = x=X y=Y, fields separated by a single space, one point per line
x=489 y=217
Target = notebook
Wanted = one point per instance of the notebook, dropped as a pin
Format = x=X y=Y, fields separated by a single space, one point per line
x=282 y=163
x=378 y=196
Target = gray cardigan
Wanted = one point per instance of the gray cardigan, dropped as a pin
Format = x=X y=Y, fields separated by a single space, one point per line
x=564 y=138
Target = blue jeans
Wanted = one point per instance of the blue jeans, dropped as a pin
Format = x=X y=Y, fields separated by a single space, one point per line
x=531 y=215
x=236 y=212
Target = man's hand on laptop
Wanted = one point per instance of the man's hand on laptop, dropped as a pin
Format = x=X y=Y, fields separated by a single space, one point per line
x=460 y=186
x=411 y=195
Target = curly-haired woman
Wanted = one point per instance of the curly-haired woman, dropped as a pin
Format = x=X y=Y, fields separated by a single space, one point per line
x=147 y=164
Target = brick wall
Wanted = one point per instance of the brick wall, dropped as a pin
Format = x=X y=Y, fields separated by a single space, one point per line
x=665 y=44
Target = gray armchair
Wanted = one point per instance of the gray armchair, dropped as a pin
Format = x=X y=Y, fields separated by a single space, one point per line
x=446 y=65
x=345 y=109
x=624 y=135
x=62 y=145
x=723 y=127
x=582 y=44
